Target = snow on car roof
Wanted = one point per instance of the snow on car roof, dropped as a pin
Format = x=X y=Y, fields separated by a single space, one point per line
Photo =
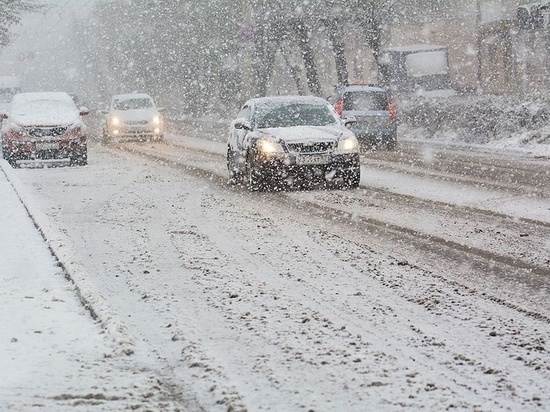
x=131 y=96
x=22 y=98
x=269 y=100
x=416 y=48
x=44 y=109
x=363 y=87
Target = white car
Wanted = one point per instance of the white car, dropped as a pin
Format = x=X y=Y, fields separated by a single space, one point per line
x=133 y=115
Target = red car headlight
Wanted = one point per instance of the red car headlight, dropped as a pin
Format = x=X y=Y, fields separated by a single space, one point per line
x=17 y=133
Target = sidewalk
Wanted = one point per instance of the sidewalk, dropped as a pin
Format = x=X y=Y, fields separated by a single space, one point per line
x=53 y=354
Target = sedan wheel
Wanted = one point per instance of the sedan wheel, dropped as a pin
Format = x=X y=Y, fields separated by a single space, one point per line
x=254 y=180
x=80 y=158
x=352 y=179
x=106 y=137
x=391 y=143
x=235 y=177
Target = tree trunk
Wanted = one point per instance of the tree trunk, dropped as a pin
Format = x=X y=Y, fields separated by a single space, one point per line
x=267 y=41
x=309 y=58
x=335 y=36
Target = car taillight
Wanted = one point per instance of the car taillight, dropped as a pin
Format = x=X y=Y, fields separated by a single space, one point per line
x=393 y=110
x=339 y=107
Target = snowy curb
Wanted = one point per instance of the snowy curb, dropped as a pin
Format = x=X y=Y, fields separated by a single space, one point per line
x=64 y=252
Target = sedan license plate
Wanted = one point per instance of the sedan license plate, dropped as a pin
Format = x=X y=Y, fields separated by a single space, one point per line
x=47 y=146
x=311 y=160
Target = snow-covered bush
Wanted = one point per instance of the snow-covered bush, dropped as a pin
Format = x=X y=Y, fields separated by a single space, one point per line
x=476 y=119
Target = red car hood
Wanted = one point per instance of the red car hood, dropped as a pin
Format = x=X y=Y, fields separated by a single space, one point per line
x=45 y=118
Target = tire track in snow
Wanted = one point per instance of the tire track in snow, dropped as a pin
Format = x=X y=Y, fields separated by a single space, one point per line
x=250 y=263
x=488 y=260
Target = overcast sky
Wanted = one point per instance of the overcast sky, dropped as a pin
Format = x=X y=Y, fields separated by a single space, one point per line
x=43 y=50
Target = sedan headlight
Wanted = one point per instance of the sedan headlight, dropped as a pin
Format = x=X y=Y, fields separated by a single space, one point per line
x=269 y=147
x=156 y=119
x=115 y=121
x=348 y=145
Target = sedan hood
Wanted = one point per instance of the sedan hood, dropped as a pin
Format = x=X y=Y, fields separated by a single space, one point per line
x=136 y=114
x=304 y=134
x=45 y=118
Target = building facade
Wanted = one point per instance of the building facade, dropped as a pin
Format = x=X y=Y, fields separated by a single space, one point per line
x=488 y=51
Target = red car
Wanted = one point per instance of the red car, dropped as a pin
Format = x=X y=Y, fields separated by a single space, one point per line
x=44 y=126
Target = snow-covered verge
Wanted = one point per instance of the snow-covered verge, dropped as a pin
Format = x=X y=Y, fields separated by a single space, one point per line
x=53 y=355
x=63 y=251
x=496 y=122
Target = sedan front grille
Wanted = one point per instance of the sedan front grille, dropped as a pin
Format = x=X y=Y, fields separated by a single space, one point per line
x=135 y=122
x=317 y=147
x=46 y=131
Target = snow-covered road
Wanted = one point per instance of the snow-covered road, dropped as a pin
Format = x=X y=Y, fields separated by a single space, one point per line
x=413 y=292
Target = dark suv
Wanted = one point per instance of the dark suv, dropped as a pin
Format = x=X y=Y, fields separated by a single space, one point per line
x=374 y=111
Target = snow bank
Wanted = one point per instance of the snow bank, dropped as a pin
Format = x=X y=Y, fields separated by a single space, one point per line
x=63 y=250
x=497 y=121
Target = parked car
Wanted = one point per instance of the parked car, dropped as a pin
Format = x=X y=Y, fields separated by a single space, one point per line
x=279 y=141
x=374 y=112
x=44 y=126
x=133 y=115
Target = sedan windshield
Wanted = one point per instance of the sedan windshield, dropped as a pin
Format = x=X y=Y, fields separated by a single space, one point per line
x=132 y=104
x=365 y=101
x=294 y=115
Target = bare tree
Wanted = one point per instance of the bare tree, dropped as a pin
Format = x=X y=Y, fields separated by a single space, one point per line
x=373 y=17
x=10 y=15
x=334 y=27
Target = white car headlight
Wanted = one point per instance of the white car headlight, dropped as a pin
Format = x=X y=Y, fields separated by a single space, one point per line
x=348 y=145
x=115 y=121
x=156 y=119
x=269 y=147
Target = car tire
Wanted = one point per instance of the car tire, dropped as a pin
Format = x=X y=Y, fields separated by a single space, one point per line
x=254 y=180
x=105 y=137
x=81 y=158
x=391 y=143
x=352 y=179
x=235 y=177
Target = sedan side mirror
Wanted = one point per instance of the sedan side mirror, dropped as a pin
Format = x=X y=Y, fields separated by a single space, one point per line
x=3 y=115
x=242 y=124
x=349 y=120
x=84 y=111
